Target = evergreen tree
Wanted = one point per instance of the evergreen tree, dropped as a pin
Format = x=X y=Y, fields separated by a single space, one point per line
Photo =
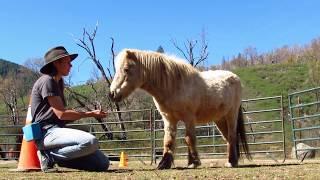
x=160 y=49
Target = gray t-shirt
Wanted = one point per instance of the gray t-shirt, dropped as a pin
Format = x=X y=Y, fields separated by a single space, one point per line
x=41 y=110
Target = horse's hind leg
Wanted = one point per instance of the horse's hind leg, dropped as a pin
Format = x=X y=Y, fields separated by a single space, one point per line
x=233 y=146
x=229 y=132
x=193 y=156
x=170 y=130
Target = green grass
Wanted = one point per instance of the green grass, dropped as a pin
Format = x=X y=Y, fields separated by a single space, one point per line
x=273 y=80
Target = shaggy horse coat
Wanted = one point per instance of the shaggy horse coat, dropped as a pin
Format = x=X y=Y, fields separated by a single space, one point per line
x=182 y=93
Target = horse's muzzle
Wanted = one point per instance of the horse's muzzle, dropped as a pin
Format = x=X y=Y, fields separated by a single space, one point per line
x=114 y=97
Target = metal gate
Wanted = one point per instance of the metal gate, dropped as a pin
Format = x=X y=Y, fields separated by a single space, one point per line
x=304 y=107
x=264 y=123
x=265 y=127
x=142 y=137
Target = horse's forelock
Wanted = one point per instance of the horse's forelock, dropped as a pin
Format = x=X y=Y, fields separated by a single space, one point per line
x=119 y=58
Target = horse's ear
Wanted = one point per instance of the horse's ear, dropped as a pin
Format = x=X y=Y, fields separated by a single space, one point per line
x=131 y=55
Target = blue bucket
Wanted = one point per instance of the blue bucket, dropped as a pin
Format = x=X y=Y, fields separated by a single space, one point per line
x=32 y=131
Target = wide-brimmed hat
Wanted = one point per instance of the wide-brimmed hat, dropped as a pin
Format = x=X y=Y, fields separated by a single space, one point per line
x=54 y=54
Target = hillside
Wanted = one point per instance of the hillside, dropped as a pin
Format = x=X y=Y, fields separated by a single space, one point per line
x=7 y=66
x=17 y=73
x=12 y=73
x=273 y=80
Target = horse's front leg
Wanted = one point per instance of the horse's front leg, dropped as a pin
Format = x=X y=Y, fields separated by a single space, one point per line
x=170 y=131
x=190 y=138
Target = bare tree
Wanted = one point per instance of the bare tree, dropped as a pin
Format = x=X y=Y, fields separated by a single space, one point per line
x=9 y=95
x=251 y=55
x=87 y=104
x=87 y=43
x=189 y=50
x=9 y=91
x=34 y=64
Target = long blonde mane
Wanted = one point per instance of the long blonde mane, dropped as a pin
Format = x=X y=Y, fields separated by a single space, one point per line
x=163 y=69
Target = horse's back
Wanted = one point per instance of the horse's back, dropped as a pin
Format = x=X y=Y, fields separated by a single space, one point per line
x=222 y=96
x=220 y=81
x=219 y=76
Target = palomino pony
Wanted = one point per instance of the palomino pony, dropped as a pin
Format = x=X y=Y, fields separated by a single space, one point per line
x=182 y=93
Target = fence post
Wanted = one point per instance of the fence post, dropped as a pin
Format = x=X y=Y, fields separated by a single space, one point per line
x=292 y=123
x=283 y=131
x=151 y=117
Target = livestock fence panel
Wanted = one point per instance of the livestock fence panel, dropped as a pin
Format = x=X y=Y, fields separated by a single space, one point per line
x=139 y=133
x=10 y=137
x=264 y=120
x=123 y=131
x=304 y=115
x=264 y=123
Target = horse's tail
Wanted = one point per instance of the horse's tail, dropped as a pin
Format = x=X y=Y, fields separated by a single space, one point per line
x=242 y=135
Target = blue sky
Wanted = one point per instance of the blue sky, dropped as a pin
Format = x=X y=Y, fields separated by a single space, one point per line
x=29 y=28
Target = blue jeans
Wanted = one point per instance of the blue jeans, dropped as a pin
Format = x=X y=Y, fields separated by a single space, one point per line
x=75 y=149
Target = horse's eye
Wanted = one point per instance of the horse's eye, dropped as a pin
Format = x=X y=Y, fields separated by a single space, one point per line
x=126 y=70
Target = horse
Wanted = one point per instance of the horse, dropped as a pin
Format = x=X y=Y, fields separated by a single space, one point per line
x=183 y=93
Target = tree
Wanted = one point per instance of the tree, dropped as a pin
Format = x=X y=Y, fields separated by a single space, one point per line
x=34 y=64
x=9 y=95
x=225 y=64
x=87 y=43
x=251 y=55
x=313 y=58
x=189 y=50
x=160 y=49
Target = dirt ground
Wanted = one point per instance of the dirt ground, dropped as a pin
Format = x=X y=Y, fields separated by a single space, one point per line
x=210 y=169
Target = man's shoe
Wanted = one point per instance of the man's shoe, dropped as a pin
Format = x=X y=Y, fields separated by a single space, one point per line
x=47 y=165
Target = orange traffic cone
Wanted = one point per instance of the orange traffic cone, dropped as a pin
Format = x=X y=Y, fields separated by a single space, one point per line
x=28 y=159
x=123 y=160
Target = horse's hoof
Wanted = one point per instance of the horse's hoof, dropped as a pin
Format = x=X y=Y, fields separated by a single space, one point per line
x=165 y=162
x=229 y=165
x=193 y=166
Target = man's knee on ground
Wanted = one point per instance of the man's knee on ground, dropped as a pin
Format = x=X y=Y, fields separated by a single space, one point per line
x=91 y=144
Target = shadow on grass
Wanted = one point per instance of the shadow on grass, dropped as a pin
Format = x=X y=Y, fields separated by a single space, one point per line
x=240 y=166
x=75 y=170
x=266 y=165
x=120 y=170
x=181 y=168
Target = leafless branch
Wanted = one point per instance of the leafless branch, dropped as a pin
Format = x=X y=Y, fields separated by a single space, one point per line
x=189 y=51
x=84 y=104
x=90 y=49
x=181 y=51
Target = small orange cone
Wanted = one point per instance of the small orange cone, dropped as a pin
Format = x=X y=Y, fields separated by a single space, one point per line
x=28 y=159
x=123 y=160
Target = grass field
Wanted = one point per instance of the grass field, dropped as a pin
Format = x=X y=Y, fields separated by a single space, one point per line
x=210 y=169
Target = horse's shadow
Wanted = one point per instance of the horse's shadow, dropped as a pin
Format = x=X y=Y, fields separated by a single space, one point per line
x=181 y=168
x=242 y=166
x=266 y=165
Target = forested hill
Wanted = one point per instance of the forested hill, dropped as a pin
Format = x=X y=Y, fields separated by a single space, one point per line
x=16 y=76
x=7 y=66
